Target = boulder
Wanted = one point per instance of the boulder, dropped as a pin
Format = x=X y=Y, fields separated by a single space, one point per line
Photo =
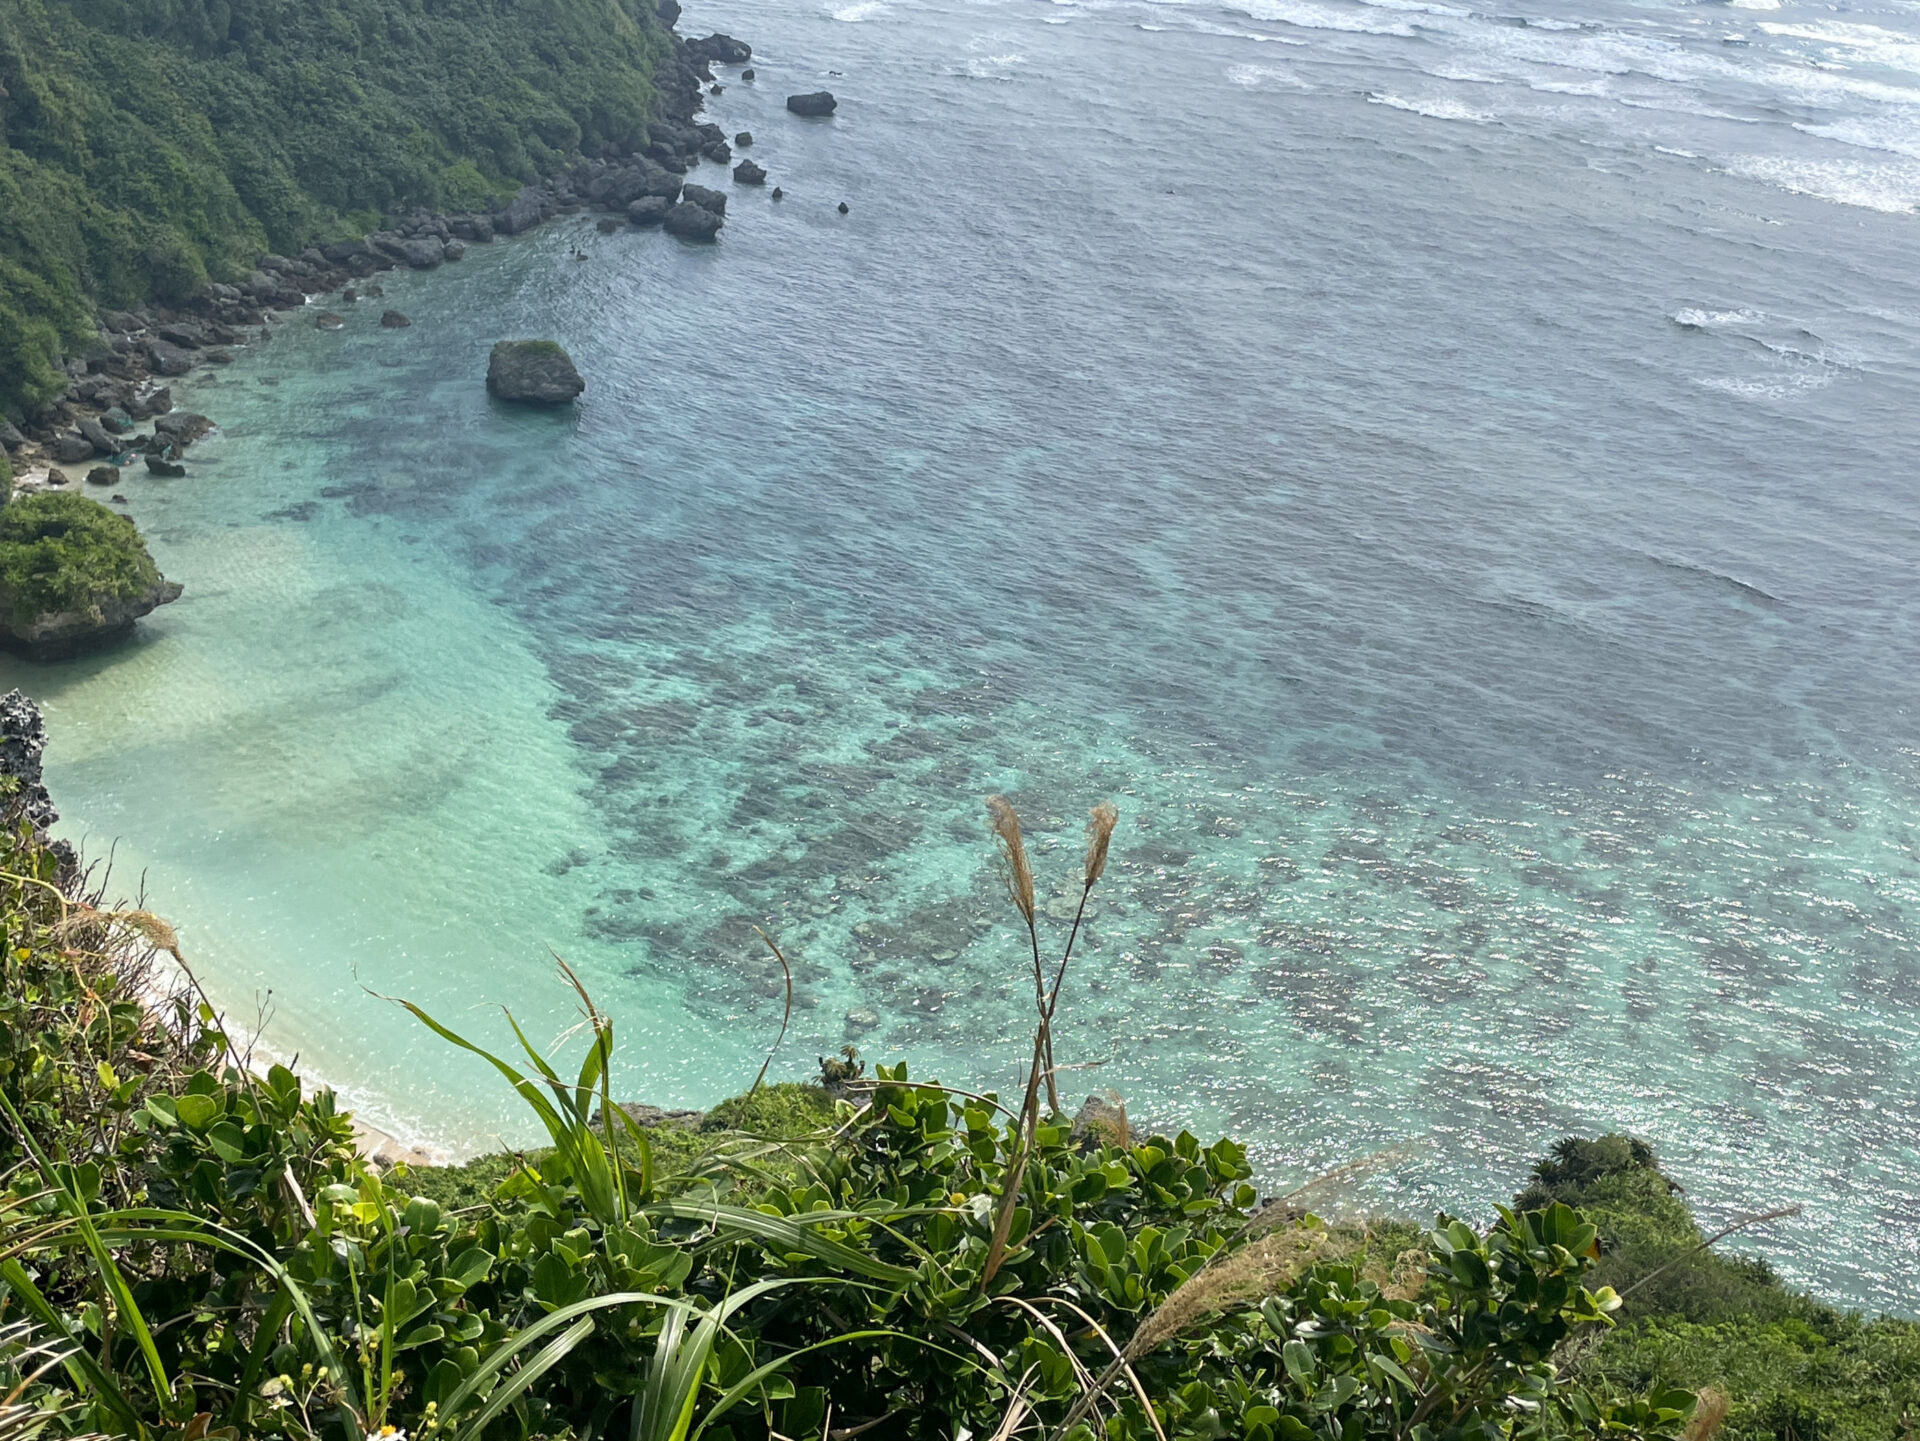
x=158 y=403
x=668 y=11
x=95 y=434
x=527 y=210
x=69 y=448
x=819 y=102
x=394 y=320
x=747 y=173
x=93 y=577
x=182 y=428
x=692 y=222
x=424 y=254
x=121 y=320
x=56 y=476
x=167 y=359
x=216 y=356
x=743 y=139
x=720 y=50
x=747 y=74
x=10 y=436
x=649 y=210
x=843 y=208
x=471 y=227
x=717 y=152
x=714 y=200
x=778 y=193
x=183 y=333
x=453 y=250
x=163 y=465
x=343 y=251
x=327 y=320
x=116 y=420
x=532 y=372
x=103 y=475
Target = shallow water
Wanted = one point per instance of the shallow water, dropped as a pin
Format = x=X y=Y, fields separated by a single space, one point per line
x=1445 y=473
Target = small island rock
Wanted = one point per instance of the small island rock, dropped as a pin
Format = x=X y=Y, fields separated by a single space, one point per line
x=103 y=475
x=532 y=372
x=743 y=139
x=327 y=320
x=747 y=173
x=692 y=222
x=819 y=102
x=393 y=320
x=73 y=576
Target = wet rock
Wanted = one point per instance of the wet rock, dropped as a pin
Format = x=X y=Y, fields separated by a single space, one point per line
x=843 y=208
x=453 y=250
x=747 y=173
x=714 y=200
x=423 y=254
x=692 y=222
x=778 y=193
x=116 y=420
x=747 y=74
x=743 y=139
x=95 y=434
x=104 y=475
x=393 y=320
x=327 y=320
x=349 y=296
x=471 y=227
x=862 y=1019
x=720 y=49
x=183 y=333
x=158 y=403
x=161 y=464
x=181 y=428
x=715 y=89
x=818 y=102
x=532 y=372
x=165 y=358
x=69 y=448
x=216 y=357
x=56 y=476
x=10 y=436
x=649 y=210
x=606 y=225
x=527 y=210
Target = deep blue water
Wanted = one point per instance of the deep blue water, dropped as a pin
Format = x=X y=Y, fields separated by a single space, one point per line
x=1447 y=474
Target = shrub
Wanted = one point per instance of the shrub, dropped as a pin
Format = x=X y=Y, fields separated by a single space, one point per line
x=61 y=552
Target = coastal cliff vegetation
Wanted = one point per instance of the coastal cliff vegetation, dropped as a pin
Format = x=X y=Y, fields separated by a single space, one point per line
x=191 y=1246
x=147 y=148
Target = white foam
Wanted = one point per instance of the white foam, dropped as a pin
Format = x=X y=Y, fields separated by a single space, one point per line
x=1309 y=15
x=1754 y=4
x=1254 y=76
x=1694 y=318
x=864 y=10
x=1436 y=108
x=1892 y=188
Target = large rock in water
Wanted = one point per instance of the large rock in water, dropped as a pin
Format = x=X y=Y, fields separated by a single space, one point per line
x=819 y=102
x=649 y=210
x=714 y=200
x=73 y=576
x=721 y=50
x=692 y=222
x=532 y=372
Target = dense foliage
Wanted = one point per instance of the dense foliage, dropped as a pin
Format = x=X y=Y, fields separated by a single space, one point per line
x=149 y=145
x=61 y=552
x=1789 y=1366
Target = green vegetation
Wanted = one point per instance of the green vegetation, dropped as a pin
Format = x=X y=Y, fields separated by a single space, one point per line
x=149 y=145
x=1789 y=1366
x=62 y=552
x=208 y=1257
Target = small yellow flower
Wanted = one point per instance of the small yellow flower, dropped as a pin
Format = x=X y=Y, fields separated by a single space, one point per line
x=391 y=1433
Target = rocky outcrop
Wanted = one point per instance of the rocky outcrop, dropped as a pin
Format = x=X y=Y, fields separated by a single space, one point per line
x=720 y=49
x=73 y=576
x=23 y=740
x=692 y=222
x=69 y=448
x=747 y=173
x=181 y=428
x=714 y=200
x=649 y=210
x=532 y=372
x=393 y=320
x=818 y=102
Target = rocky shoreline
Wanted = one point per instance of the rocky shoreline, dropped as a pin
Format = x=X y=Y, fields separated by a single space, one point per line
x=122 y=382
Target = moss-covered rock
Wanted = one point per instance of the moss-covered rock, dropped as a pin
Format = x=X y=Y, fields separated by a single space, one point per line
x=73 y=576
x=533 y=372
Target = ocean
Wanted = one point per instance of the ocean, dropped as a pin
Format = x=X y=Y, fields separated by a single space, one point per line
x=1446 y=474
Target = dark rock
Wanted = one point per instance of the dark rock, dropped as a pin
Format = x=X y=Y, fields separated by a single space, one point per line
x=692 y=222
x=182 y=428
x=819 y=102
x=720 y=50
x=716 y=89
x=717 y=152
x=23 y=740
x=166 y=359
x=743 y=139
x=394 y=320
x=606 y=225
x=158 y=403
x=56 y=476
x=778 y=193
x=349 y=295
x=649 y=210
x=372 y=292
x=528 y=209
x=103 y=475
x=668 y=11
x=120 y=320
x=70 y=449
x=116 y=420
x=273 y=264
x=714 y=200
x=10 y=436
x=843 y=208
x=216 y=357
x=183 y=333
x=1102 y=1121
x=424 y=254
x=747 y=173
x=95 y=434
x=118 y=499
x=453 y=250
x=532 y=372
x=161 y=465
x=327 y=320
x=313 y=256
x=747 y=74
x=471 y=227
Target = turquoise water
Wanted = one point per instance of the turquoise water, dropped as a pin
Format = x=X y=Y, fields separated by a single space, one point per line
x=1445 y=474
